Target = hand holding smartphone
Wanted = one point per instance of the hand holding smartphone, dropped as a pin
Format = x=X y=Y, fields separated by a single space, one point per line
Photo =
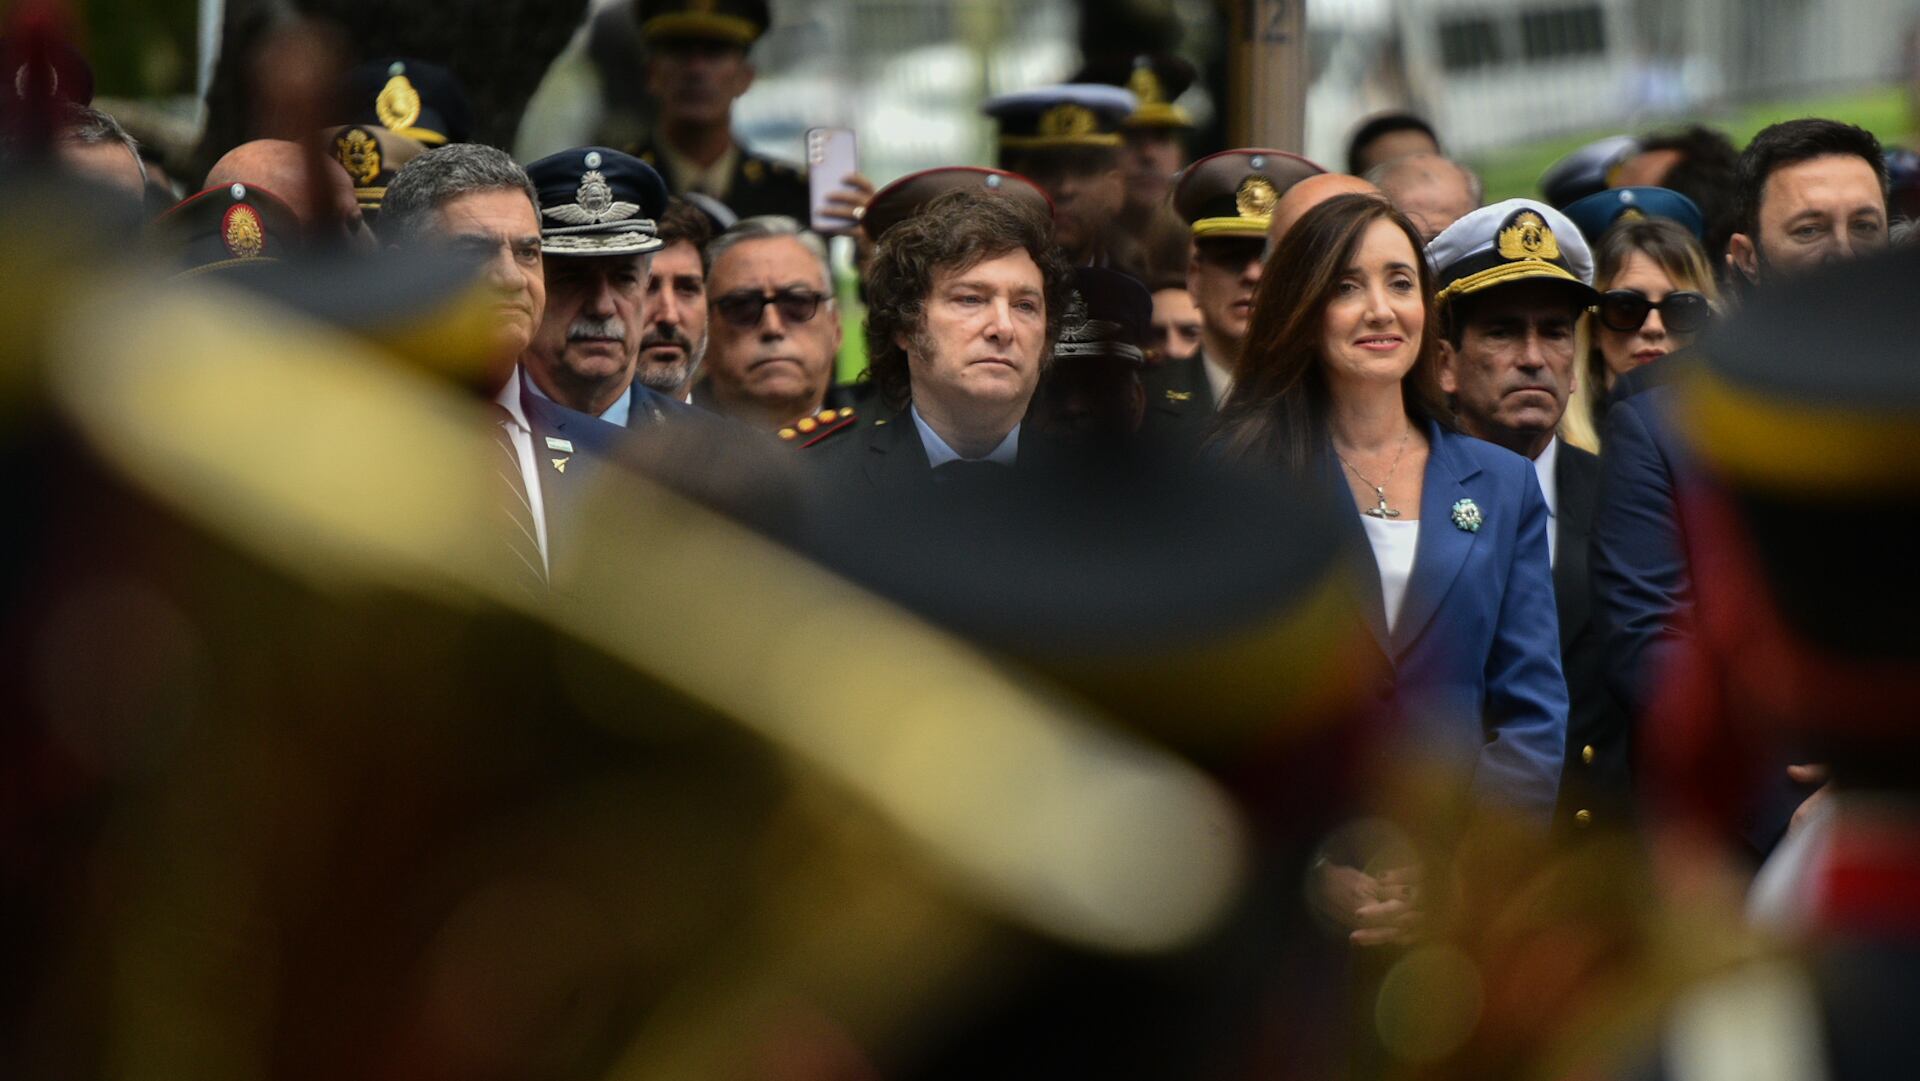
x=831 y=159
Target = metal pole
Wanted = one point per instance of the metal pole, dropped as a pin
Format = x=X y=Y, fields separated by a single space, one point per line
x=1270 y=74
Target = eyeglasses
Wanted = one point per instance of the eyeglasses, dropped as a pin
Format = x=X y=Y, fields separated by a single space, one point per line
x=1625 y=310
x=743 y=309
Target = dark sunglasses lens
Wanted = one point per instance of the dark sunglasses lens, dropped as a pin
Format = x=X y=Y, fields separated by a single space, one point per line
x=1624 y=311
x=797 y=307
x=740 y=309
x=1684 y=313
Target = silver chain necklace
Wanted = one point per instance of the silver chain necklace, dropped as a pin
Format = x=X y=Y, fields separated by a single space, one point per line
x=1380 y=489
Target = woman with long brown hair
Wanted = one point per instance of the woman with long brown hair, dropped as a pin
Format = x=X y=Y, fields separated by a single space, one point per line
x=1338 y=380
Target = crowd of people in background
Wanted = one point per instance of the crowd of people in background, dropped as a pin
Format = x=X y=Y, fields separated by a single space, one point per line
x=1491 y=400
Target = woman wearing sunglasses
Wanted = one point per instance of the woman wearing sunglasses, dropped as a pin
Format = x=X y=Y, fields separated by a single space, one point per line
x=1656 y=294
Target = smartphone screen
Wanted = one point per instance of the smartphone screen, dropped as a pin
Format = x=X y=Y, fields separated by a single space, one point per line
x=830 y=157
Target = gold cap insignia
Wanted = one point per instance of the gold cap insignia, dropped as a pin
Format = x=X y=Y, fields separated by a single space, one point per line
x=1528 y=236
x=242 y=232
x=1067 y=121
x=358 y=152
x=398 y=105
x=1632 y=213
x=1256 y=198
x=1146 y=86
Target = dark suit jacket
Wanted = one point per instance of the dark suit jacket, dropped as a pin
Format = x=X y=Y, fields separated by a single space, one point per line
x=569 y=448
x=1180 y=406
x=1596 y=774
x=759 y=185
x=1476 y=651
x=1641 y=569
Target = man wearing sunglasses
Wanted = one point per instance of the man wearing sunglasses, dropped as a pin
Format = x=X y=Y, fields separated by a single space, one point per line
x=773 y=327
x=1508 y=367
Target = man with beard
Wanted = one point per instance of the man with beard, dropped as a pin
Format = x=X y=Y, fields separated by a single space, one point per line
x=1067 y=140
x=1228 y=200
x=675 y=340
x=597 y=234
x=1812 y=192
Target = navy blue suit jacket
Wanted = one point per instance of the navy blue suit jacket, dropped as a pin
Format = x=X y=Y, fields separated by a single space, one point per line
x=1639 y=548
x=568 y=449
x=1642 y=573
x=1476 y=650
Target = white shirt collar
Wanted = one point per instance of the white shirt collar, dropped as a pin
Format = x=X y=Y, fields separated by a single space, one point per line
x=939 y=453
x=509 y=399
x=1543 y=468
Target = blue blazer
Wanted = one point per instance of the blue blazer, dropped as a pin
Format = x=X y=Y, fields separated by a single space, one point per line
x=1476 y=651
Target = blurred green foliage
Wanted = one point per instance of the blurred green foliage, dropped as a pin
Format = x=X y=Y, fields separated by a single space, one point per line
x=139 y=48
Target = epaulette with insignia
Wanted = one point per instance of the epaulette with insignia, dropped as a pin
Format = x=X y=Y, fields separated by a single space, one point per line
x=810 y=430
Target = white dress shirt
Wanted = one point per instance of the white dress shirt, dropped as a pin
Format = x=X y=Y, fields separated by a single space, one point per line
x=522 y=435
x=939 y=453
x=1550 y=488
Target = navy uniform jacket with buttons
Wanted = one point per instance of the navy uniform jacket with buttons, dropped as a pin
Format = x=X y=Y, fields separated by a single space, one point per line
x=759 y=185
x=1596 y=782
x=1475 y=654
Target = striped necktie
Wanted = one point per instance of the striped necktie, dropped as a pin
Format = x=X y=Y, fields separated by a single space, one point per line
x=514 y=506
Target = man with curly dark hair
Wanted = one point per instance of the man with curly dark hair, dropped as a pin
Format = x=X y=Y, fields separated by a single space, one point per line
x=965 y=299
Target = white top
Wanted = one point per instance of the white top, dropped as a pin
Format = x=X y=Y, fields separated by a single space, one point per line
x=522 y=435
x=1393 y=547
x=939 y=453
x=1543 y=468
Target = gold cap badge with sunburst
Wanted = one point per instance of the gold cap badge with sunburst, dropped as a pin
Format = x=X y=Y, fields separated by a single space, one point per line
x=1256 y=198
x=398 y=105
x=1528 y=237
x=242 y=232
x=1146 y=86
x=358 y=152
x=1068 y=121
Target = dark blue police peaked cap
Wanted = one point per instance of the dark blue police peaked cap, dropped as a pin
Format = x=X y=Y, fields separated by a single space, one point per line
x=598 y=201
x=1108 y=318
x=1596 y=213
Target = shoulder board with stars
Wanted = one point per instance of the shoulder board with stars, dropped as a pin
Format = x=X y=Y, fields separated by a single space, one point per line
x=810 y=430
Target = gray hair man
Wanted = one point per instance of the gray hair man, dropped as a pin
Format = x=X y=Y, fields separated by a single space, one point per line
x=93 y=145
x=773 y=327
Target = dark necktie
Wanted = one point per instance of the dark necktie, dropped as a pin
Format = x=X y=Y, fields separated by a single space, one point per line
x=977 y=475
x=515 y=507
